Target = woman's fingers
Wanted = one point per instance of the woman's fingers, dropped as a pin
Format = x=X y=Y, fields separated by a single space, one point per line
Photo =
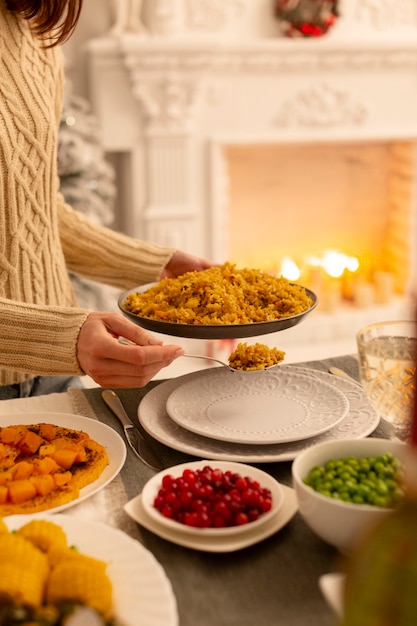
x=111 y=362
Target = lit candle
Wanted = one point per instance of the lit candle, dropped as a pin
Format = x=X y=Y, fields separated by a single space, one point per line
x=384 y=287
x=331 y=300
x=363 y=294
x=331 y=294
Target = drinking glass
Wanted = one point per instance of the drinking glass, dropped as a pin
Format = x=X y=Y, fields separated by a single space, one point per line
x=387 y=362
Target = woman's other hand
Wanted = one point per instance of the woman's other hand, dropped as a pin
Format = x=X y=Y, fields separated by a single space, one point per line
x=182 y=262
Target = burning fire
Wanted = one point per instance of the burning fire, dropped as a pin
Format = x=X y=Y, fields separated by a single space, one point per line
x=332 y=262
x=335 y=276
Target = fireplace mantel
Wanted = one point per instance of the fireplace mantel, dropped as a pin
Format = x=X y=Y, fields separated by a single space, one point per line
x=169 y=104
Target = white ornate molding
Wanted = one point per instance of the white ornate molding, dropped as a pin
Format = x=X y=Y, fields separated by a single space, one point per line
x=191 y=18
x=213 y=15
x=322 y=106
x=168 y=105
x=140 y=56
x=386 y=15
x=127 y=17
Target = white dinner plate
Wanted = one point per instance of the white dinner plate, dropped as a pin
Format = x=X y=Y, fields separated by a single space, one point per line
x=225 y=543
x=103 y=434
x=360 y=421
x=152 y=487
x=141 y=591
x=276 y=406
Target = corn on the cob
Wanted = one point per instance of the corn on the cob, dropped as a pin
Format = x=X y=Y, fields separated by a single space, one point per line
x=43 y=534
x=18 y=550
x=30 y=576
x=23 y=571
x=20 y=586
x=82 y=582
x=57 y=554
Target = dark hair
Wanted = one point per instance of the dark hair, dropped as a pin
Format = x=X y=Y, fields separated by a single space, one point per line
x=54 y=19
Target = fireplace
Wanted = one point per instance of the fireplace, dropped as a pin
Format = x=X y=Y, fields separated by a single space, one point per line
x=236 y=136
x=293 y=202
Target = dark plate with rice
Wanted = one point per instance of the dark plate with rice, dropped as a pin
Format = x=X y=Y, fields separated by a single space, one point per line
x=220 y=303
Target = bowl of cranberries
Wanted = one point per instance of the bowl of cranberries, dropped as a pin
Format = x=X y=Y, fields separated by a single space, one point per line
x=212 y=497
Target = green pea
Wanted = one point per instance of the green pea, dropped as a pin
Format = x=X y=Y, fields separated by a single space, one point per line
x=372 y=480
x=337 y=483
x=324 y=492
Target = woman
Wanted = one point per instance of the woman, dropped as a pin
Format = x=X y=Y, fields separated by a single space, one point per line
x=43 y=332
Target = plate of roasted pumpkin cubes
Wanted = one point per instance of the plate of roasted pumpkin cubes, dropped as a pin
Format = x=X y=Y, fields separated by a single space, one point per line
x=51 y=461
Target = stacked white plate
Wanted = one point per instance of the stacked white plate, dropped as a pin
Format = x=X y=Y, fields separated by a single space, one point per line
x=228 y=539
x=255 y=417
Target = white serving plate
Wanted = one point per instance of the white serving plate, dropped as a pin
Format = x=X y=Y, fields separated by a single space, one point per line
x=151 y=488
x=135 y=509
x=103 y=434
x=360 y=421
x=140 y=585
x=277 y=406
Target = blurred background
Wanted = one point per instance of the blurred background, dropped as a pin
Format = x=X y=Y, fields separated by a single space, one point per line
x=225 y=128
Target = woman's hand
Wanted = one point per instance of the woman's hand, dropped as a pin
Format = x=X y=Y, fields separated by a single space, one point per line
x=114 y=364
x=182 y=262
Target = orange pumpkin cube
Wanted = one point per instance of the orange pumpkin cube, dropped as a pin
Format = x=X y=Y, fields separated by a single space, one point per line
x=22 y=470
x=21 y=490
x=65 y=457
x=44 y=484
x=82 y=456
x=47 y=431
x=47 y=449
x=6 y=477
x=12 y=434
x=4 y=494
x=30 y=442
x=47 y=465
x=62 y=478
x=6 y=452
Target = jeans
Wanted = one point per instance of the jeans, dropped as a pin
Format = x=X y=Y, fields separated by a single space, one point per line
x=40 y=385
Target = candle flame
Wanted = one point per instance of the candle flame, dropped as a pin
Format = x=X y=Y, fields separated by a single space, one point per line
x=289 y=269
x=334 y=263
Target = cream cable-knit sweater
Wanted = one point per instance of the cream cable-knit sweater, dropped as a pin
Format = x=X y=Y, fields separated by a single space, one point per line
x=41 y=237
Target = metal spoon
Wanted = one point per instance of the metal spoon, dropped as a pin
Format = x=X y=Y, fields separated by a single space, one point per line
x=210 y=358
x=232 y=369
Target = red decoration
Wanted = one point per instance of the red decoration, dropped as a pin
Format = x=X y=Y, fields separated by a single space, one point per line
x=306 y=18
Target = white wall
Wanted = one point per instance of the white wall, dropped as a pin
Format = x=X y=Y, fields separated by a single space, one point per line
x=239 y=18
x=95 y=21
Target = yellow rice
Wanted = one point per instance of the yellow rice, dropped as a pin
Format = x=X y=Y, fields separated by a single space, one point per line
x=220 y=295
x=256 y=357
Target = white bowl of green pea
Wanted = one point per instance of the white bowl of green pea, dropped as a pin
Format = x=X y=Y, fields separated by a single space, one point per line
x=345 y=486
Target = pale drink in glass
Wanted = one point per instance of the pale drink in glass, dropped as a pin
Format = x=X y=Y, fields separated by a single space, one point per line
x=387 y=371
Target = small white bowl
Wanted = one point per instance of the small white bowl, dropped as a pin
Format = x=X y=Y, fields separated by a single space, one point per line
x=336 y=522
x=153 y=486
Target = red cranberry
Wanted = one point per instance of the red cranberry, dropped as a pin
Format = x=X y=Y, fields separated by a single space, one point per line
x=211 y=498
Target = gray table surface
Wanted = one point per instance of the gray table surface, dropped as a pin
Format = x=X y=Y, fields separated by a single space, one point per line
x=272 y=583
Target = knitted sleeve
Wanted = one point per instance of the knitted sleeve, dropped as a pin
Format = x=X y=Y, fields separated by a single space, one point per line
x=106 y=256
x=39 y=340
